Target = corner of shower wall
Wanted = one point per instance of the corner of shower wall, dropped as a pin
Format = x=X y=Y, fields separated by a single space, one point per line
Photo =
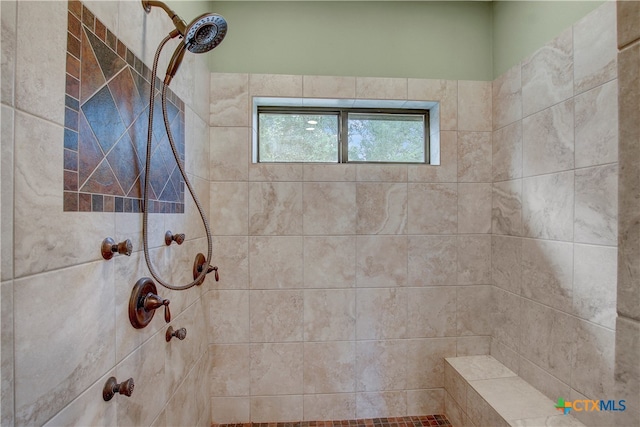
x=555 y=216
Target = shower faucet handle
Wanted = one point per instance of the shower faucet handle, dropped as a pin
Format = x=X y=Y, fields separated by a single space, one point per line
x=178 y=333
x=112 y=387
x=109 y=247
x=153 y=301
x=170 y=238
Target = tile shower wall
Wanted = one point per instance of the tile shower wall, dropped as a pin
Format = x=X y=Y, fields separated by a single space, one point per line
x=344 y=286
x=555 y=216
x=65 y=327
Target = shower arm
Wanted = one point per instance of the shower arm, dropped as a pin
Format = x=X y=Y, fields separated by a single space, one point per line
x=181 y=26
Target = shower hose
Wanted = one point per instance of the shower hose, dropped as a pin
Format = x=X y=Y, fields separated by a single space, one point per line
x=145 y=214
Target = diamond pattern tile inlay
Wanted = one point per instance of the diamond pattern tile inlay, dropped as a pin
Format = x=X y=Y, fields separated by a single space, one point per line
x=106 y=119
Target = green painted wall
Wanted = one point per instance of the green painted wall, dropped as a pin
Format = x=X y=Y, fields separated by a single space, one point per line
x=424 y=39
x=473 y=40
x=522 y=27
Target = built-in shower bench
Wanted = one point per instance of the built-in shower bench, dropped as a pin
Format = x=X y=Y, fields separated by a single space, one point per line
x=482 y=392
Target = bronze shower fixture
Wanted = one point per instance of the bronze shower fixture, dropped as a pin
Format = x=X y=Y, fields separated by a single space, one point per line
x=144 y=302
x=178 y=333
x=112 y=387
x=109 y=248
x=170 y=238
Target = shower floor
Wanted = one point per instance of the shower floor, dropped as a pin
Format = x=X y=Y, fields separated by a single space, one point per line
x=415 y=421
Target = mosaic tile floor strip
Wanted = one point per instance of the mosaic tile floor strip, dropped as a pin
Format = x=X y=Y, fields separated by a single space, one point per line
x=413 y=421
x=106 y=117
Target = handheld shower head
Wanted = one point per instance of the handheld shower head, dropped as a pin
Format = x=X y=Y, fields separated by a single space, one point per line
x=202 y=35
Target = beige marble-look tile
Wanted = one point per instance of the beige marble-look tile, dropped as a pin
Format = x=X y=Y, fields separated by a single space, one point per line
x=7 y=356
x=228 y=316
x=507 y=152
x=275 y=262
x=551 y=421
x=329 y=367
x=230 y=366
x=548 y=206
x=512 y=398
x=328 y=87
x=474 y=106
x=474 y=368
x=329 y=261
x=431 y=312
x=425 y=401
x=37 y=185
x=506 y=263
x=447 y=170
x=548 y=140
x=271 y=172
x=507 y=97
x=381 y=208
x=474 y=156
x=482 y=413
x=629 y=153
x=275 y=208
x=280 y=408
x=381 y=173
x=230 y=410
x=472 y=316
x=629 y=417
x=443 y=91
x=318 y=407
x=182 y=408
x=432 y=261
x=547 y=272
x=381 y=313
x=229 y=94
x=547 y=75
x=231 y=255
x=508 y=357
x=37 y=92
x=548 y=338
x=596 y=118
x=595 y=49
x=592 y=372
x=6 y=198
x=474 y=208
x=381 y=88
x=506 y=313
x=45 y=382
x=146 y=365
x=8 y=16
x=198 y=149
x=596 y=210
x=473 y=345
x=229 y=154
x=627 y=371
x=546 y=383
x=455 y=385
x=276 y=316
x=628 y=13
x=342 y=172
x=228 y=208
x=594 y=284
x=86 y=410
x=474 y=259
x=433 y=209
x=275 y=85
x=381 y=404
x=381 y=261
x=276 y=368
x=328 y=208
x=425 y=361
x=381 y=365
x=454 y=412
x=329 y=315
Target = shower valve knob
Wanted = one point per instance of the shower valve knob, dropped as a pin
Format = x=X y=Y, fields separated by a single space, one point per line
x=153 y=301
x=111 y=388
x=178 y=333
x=110 y=247
x=170 y=238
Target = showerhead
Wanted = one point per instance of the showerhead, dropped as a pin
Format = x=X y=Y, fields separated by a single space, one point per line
x=205 y=33
x=202 y=35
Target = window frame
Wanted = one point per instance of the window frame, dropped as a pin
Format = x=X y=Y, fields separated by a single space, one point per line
x=343 y=120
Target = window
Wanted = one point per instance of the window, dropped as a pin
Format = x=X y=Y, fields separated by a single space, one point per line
x=341 y=135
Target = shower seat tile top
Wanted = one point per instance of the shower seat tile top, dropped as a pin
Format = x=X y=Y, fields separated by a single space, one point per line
x=106 y=115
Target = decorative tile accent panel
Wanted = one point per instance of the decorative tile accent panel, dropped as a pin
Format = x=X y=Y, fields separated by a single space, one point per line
x=106 y=118
x=413 y=421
